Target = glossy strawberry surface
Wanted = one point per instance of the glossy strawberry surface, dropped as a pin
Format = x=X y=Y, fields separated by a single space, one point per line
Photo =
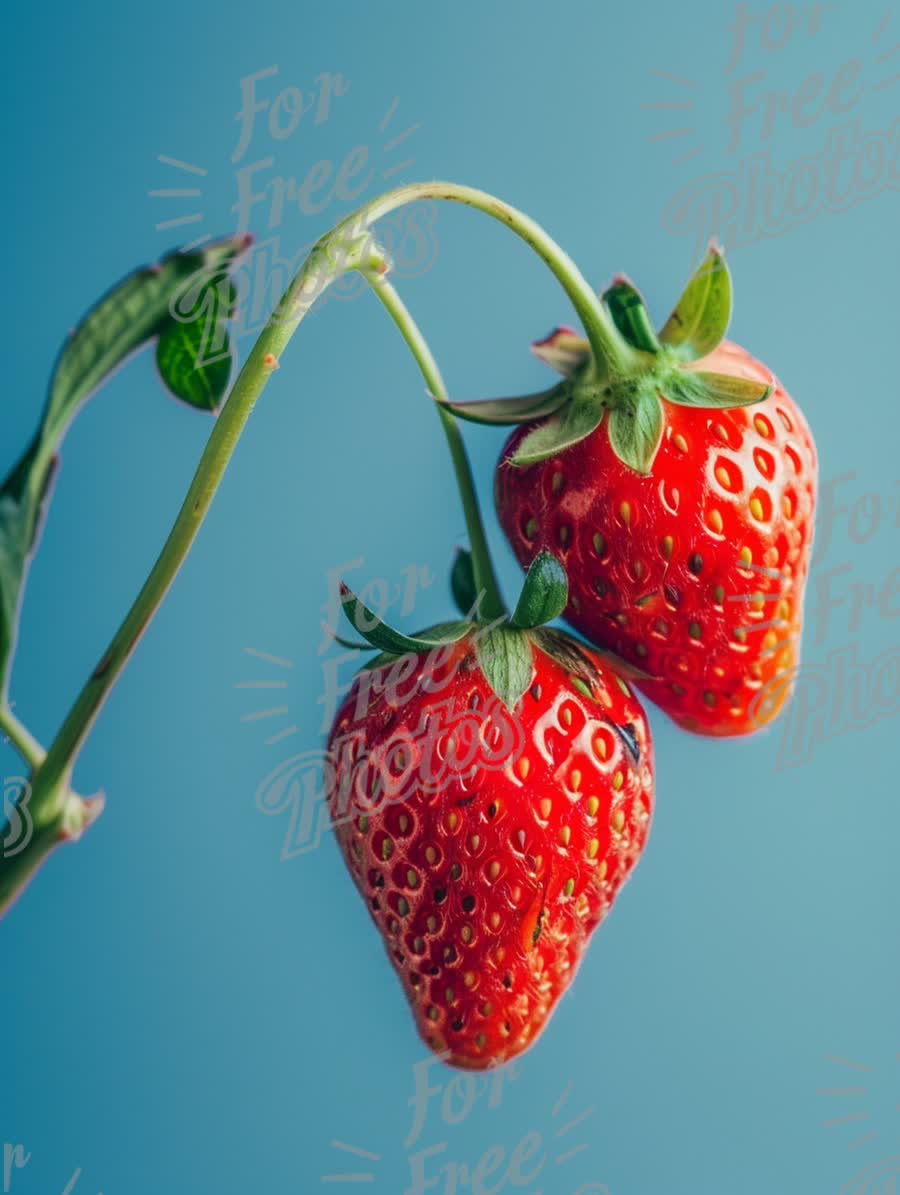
x=488 y=846
x=694 y=573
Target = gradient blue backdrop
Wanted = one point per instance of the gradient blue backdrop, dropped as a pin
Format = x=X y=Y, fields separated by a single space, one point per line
x=182 y=1011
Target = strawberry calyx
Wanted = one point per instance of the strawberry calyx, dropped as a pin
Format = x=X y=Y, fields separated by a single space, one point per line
x=659 y=370
x=502 y=647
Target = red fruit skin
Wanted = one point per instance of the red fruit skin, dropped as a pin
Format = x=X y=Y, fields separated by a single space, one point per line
x=636 y=594
x=477 y=865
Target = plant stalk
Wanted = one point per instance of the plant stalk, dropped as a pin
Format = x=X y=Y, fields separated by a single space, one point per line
x=491 y=606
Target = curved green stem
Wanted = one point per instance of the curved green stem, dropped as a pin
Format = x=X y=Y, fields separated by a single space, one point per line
x=491 y=606
x=332 y=256
x=21 y=738
x=609 y=347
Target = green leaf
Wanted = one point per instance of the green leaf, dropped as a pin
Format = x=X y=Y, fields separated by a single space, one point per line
x=380 y=635
x=688 y=388
x=630 y=316
x=125 y=320
x=701 y=316
x=462 y=582
x=635 y=430
x=507 y=411
x=560 y=431
x=504 y=656
x=190 y=367
x=544 y=595
x=193 y=354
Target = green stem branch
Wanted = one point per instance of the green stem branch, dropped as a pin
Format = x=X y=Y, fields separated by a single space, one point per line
x=610 y=349
x=58 y=814
x=491 y=606
x=21 y=738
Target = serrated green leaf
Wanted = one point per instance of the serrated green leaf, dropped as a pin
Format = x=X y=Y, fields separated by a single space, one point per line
x=462 y=582
x=688 y=388
x=504 y=656
x=560 y=431
x=626 y=306
x=702 y=314
x=377 y=632
x=504 y=412
x=125 y=320
x=544 y=595
x=635 y=430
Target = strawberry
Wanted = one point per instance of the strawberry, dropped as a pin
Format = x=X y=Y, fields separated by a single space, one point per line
x=679 y=493
x=492 y=787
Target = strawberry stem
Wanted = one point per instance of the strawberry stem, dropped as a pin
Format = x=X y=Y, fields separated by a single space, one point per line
x=612 y=354
x=491 y=605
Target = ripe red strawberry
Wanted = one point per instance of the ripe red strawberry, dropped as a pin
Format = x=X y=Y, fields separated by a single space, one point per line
x=685 y=525
x=490 y=799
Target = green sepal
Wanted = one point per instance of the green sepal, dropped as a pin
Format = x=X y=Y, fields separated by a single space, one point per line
x=635 y=429
x=626 y=306
x=504 y=656
x=462 y=583
x=385 y=658
x=505 y=412
x=702 y=314
x=382 y=636
x=563 y=350
x=544 y=595
x=352 y=645
x=561 y=430
x=689 y=388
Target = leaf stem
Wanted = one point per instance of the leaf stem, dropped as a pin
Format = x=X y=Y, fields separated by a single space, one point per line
x=491 y=606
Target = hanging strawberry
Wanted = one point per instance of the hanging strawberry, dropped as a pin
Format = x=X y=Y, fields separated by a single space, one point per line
x=492 y=789
x=676 y=481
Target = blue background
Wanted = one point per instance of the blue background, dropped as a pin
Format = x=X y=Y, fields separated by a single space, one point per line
x=182 y=1011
